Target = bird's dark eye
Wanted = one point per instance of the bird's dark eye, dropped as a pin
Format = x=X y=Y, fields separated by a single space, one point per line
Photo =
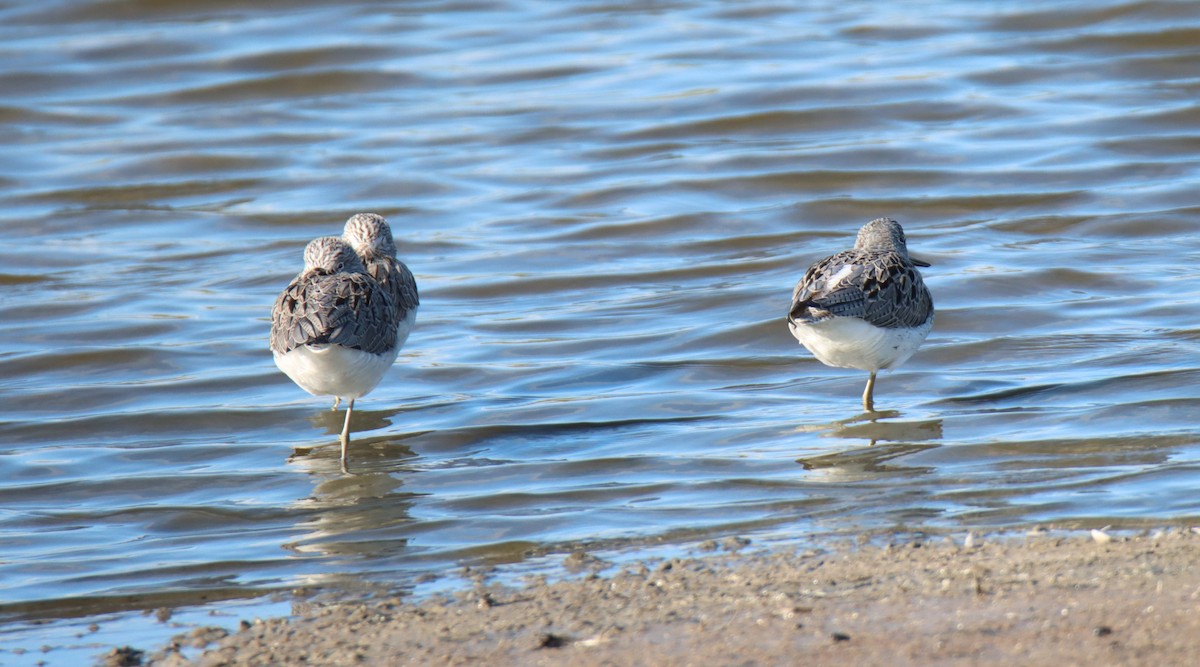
x=341 y=266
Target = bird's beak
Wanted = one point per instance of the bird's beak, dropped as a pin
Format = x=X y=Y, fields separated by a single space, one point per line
x=919 y=262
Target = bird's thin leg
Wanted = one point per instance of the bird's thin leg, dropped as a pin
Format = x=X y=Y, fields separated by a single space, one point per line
x=346 y=434
x=337 y=400
x=869 y=394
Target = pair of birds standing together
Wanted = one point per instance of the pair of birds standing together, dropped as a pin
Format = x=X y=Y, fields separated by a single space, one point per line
x=339 y=325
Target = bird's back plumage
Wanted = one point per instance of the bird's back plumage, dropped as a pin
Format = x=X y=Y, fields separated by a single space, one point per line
x=394 y=276
x=877 y=286
x=347 y=309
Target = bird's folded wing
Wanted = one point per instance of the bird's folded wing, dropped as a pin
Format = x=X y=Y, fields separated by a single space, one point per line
x=868 y=285
x=344 y=309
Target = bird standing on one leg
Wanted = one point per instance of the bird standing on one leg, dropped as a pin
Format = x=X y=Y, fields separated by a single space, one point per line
x=864 y=308
x=333 y=329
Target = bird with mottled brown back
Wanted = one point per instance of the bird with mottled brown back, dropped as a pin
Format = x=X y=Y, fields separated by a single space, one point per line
x=371 y=237
x=333 y=328
x=864 y=308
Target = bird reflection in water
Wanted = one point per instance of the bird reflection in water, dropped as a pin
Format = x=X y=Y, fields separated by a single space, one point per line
x=379 y=454
x=365 y=516
x=900 y=438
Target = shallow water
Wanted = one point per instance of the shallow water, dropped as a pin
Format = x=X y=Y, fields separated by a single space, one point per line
x=606 y=209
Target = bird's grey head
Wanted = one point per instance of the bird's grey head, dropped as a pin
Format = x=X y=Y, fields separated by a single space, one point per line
x=330 y=254
x=882 y=234
x=370 y=234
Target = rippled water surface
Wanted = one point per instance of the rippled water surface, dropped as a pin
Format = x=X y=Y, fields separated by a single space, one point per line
x=606 y=206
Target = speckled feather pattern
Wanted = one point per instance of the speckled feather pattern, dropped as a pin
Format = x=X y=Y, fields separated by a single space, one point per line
x=876 y=281
x=395 y=277
x=333 y=301
x=371 y=237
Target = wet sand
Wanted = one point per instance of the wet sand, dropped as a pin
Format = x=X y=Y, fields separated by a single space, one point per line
x=1041 y=599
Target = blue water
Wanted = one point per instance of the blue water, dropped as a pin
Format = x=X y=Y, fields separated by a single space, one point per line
x=606 y=207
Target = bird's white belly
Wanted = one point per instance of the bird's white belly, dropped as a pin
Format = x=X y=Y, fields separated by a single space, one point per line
x=848 y=342
x=333 y=370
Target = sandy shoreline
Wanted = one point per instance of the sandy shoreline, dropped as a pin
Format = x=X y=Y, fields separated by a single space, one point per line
x=1043 y=599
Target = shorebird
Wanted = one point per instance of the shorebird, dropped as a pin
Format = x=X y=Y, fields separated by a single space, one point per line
x=371 y=237
x=333 y=329
x=864 y=308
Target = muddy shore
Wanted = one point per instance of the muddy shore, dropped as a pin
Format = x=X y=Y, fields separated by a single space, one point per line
x=1059 y=599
